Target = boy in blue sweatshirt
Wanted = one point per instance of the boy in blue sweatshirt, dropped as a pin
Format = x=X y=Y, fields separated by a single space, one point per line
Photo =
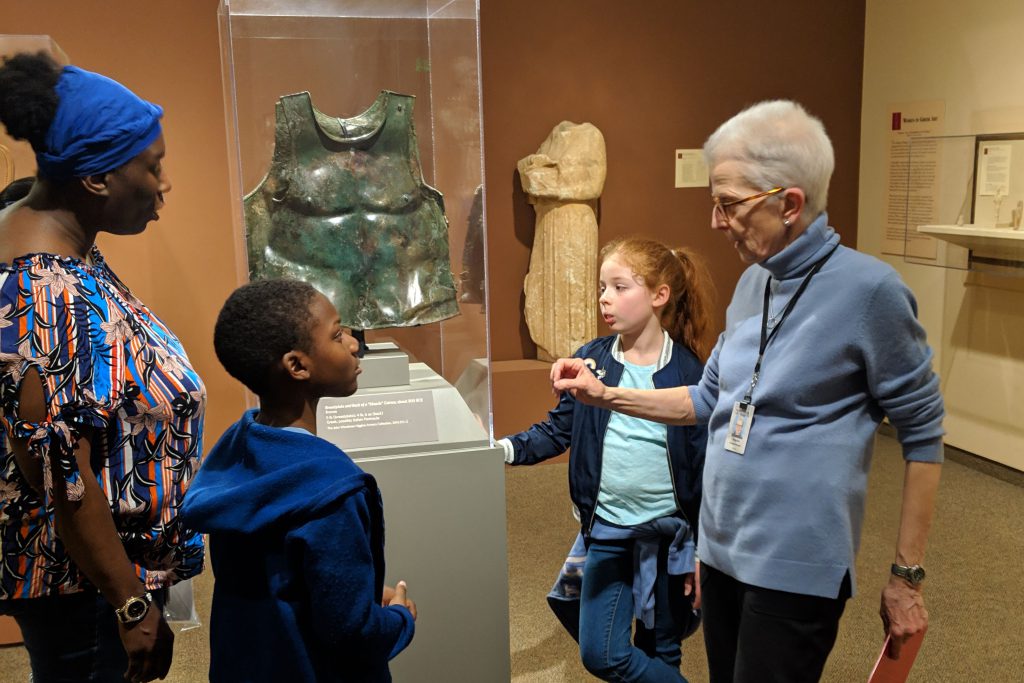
x=296 y=528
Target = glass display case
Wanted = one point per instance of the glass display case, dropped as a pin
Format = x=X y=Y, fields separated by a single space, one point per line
x=965 y=202
x=350 y=65
x=354 y=131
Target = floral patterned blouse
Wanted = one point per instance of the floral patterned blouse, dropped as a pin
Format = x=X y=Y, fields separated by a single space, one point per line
x=107 y=364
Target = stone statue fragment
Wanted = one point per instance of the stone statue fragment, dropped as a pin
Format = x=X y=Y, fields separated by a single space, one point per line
x=563 y=181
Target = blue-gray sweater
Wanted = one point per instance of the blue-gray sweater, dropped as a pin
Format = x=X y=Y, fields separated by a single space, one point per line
x=787 y=514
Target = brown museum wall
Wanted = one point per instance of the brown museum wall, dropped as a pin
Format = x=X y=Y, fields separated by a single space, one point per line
x=652 y=82
x=655 y=78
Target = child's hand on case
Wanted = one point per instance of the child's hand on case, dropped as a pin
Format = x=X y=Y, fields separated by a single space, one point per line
x=398 y=597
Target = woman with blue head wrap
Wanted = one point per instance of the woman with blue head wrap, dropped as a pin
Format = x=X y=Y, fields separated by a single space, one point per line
x=101 y=411
x=98 y=149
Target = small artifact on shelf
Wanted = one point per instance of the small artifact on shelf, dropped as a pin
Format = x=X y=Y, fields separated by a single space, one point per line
x=997 y=202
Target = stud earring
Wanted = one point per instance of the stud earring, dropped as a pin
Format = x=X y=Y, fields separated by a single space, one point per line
x=786 y=222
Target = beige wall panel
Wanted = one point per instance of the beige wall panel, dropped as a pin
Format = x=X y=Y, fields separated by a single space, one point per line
x=967 y=54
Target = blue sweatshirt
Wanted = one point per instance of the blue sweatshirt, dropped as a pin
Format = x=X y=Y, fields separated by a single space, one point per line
x=297 y=547
x=787 y=514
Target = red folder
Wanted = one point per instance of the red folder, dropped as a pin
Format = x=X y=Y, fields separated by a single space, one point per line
x=888 y=670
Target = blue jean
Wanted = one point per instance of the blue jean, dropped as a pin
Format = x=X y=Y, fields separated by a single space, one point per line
x=70 y=638
x=606 y=619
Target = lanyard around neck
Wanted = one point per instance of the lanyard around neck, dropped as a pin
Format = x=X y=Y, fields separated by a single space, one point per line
x=767 y=336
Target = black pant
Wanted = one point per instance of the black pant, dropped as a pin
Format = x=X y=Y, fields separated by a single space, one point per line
x=766 y=636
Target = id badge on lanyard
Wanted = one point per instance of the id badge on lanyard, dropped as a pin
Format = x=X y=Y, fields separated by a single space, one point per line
x=742 y=418
x=739 y=427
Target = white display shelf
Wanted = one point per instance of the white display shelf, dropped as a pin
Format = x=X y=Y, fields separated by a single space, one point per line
x=959 y=189
x=976 y=236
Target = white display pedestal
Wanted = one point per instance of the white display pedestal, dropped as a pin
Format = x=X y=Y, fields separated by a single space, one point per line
x=444 y=511
x=384 y=365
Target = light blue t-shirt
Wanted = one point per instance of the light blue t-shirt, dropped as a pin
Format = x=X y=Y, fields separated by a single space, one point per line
x=636 y=484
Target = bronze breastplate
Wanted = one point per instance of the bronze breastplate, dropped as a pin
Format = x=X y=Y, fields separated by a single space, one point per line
x=344 y=207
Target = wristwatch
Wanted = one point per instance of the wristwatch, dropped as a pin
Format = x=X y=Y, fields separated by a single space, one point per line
x=134 y=609
x=913 y=574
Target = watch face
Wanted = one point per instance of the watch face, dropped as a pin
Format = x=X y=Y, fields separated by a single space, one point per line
x=913 y=574
x=136 y=609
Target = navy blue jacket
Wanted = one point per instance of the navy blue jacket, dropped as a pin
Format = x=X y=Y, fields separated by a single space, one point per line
x=582 y=427
x=297 y=545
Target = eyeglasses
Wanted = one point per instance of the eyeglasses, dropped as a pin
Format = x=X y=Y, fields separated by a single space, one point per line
x=720 y=206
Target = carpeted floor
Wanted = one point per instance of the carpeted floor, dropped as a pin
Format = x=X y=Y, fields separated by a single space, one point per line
x=974 y=589
x=974 y=593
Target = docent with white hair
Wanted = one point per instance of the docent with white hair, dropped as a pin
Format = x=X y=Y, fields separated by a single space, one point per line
x=821 y=343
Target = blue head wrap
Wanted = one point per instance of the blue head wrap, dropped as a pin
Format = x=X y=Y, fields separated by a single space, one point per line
x=99 y=125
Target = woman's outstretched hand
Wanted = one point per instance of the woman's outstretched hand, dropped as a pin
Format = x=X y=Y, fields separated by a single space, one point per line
x=573 y=375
